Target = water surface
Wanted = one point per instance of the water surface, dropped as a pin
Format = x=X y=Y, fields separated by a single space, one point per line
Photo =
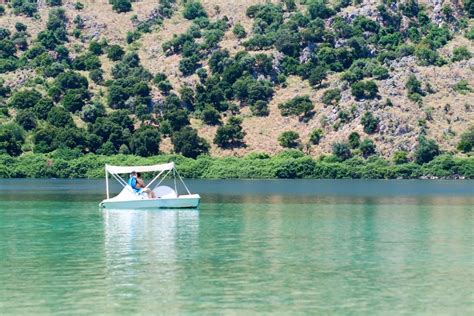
x=307 y=246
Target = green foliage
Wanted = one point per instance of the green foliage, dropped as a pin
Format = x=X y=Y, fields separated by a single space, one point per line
x=187 y=142
x=260 y=108
x=462 y=87
x=315 y=136
x=210 y=115
x=331 y=96
x=427 y=149
x=461 y=53
x=364 y=89
x=367 y=148
x=400 y=157
x=54 y=3
x=78 y=6
x=466 y=144
x=27 y=7
x=26 y=119
x=369 y=122
x=230 y=134
x=121 y=5
x=115 y=52
x=59 y=117
x=193 y=9
x=146 y=141
x=12 y=137
x=239 y=31
x=341 y=151
x=24 y=99
x=354 y=140
x=289 y=139
x=42 y=107
x=298 y=106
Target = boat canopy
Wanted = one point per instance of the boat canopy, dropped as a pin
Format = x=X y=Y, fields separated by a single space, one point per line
x=129 y=169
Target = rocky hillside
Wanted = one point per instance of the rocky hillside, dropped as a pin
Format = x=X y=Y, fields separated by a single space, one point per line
x=234 y=77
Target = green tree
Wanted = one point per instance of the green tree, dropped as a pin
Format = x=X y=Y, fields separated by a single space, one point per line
x=24 y=99
x=239 y=31
x=315 y=136
x=146 y=141
x=331 y=96
x=369 y=122
x=354 y=140
x=461 y=53
x=26 y=119
x=187 y=143
x=42 y=108
x=427 y=149
x=115 y=52
x=289 y=139
x=400 y=157
x=367 y=148
x=121 y=5
x=59 y=117
x=341 y=151
x=364 y=89
x=301 y=105
x=12 y=137
x=466 y=144
x=230 y=134
x=260 y=108
x=210 y=115
x=194 y=9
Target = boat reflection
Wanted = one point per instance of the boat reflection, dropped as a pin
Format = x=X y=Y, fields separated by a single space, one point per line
x=145 y=247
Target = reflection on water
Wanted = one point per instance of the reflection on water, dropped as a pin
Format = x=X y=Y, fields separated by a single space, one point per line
x=141 y=250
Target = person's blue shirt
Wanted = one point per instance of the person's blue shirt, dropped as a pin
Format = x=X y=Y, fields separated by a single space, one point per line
x=133 y=183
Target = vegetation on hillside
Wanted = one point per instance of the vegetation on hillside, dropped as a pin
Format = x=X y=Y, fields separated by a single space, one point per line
x=94 y=97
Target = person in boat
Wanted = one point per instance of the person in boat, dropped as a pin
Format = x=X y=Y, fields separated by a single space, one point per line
x=141 y=185
x=132 y=181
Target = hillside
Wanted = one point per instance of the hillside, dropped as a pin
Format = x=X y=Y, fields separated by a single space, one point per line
x=229 y=78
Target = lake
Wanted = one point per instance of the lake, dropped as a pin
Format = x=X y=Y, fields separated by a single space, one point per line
x=279 y=246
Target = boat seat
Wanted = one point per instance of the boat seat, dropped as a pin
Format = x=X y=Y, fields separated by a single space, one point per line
x=165 y=192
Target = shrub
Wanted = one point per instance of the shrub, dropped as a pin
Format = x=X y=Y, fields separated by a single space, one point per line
x=364 y=89
x=369 y=122
x=466 y=144
x=461 y=53
x=188 y=65
x=78 y=6
x=367 y=148
x=194 y=9
x=20 y=27
x=301 y=105
x=331 y=96
x=42 y=108
x=165 y=87
x=71 y=80
x=230 y=134
x=341 y=151
x=289 y=139
x=96 y=75
x=462 y=87
x=260 y=108
x=2 y=9
x=146 y=141
x=95 y=48
x=187 y=142
x=59 y=117
x=239 y=31
x=54 y=3
x=400 y=157
x=121 y=5
x=354 y=140
x=427 y=149
x=12 y=137
x=74 y=100
x=210 y=115
x=26 y=119
x=115 y=52
x=317 y=75
x=414 y=90
x=24 y=99
x=315 y=136
x=91 y=112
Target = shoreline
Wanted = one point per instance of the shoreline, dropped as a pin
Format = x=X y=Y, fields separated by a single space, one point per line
x=290 y=164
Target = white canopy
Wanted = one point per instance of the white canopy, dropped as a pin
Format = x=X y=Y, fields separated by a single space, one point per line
x=129 y=169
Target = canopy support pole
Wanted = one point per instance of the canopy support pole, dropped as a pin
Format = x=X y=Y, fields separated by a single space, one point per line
x=162 y=179
x=181 y=179
x=107 y=181
x=174 y=179
x=154 y=179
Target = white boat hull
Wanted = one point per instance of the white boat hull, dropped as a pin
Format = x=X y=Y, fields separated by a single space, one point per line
x=182 y=201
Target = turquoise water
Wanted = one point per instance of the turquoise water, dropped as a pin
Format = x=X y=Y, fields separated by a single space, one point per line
x=304 y=246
